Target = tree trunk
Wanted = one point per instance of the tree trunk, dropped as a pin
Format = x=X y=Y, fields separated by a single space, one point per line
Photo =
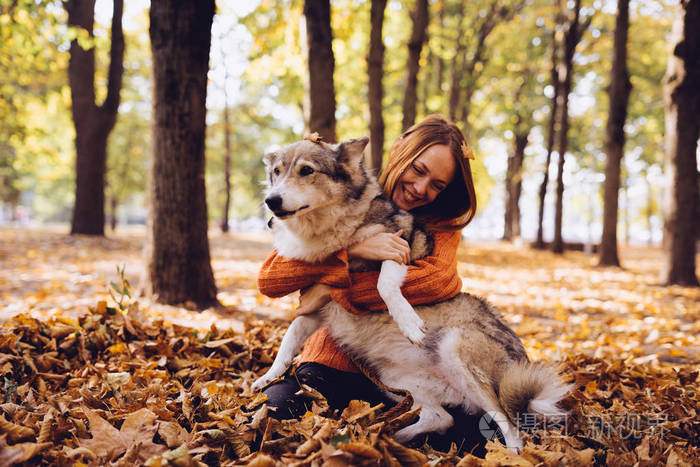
x=682 y=99
x=227 y=168
x=179 y=267
x=514 y=185
x=554 y=74
x=321 y=65
x=375 y=70
x=92 y=123
x=415 y=45
x=456 y=67
x=113 y=204
x=618 y=93
x=572 y=36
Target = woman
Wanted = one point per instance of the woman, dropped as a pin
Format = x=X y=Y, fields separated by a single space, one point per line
x=428 y=174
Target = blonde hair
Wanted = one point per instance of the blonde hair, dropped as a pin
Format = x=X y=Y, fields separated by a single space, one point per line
x=455 y=206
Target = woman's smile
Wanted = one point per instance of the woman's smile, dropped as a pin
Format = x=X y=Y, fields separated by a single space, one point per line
x=425 y=178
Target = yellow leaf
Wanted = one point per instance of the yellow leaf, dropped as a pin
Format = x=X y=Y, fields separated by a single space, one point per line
x=210 y=389
x=68 y=321
x=117 y=348
x=591 y=387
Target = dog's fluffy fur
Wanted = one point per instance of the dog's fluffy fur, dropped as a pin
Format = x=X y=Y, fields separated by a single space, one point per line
x=458 y=352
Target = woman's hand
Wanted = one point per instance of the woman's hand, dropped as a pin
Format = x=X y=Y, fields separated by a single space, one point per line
x=382 y=246
x=313 y=298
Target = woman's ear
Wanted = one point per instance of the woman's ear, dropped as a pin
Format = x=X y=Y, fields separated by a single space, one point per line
x=350 y=152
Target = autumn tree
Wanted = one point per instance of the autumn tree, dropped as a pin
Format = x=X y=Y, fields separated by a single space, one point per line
x=321 y=118
x=551 y=132
x=93 y=123
x=375 y=71
x=682 y=98
x=471 y=52
x=574 y=30
x=618 y=92
x=227 y=146
x=420 y=19
x=179 y=266
x=517 y=97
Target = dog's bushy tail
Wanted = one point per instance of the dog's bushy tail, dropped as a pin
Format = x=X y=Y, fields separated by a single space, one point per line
x=533 y=388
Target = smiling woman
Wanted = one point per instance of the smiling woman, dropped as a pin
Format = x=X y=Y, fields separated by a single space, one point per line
x=427 y=176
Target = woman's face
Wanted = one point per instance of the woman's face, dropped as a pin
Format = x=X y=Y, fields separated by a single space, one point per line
x=423 y=180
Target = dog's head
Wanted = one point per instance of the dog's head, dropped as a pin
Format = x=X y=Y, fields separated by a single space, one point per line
x=308 y=175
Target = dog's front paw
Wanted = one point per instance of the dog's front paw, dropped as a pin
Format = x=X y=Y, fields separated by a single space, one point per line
x=261 y=382
x=413 y=328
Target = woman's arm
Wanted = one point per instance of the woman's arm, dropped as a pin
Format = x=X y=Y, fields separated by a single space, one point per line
x=429 y=280
x=280 y=276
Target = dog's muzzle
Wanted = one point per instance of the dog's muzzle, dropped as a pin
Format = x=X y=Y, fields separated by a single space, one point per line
x=274 y=202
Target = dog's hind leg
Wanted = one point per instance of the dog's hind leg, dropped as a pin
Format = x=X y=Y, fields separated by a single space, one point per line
x=300 y=329
x=389 y=283
x=475 y=387
x=432 y=418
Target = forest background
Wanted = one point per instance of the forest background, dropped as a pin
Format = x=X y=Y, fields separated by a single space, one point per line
x=258 y=70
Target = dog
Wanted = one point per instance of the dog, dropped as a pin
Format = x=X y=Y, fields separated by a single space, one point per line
x=455 y=353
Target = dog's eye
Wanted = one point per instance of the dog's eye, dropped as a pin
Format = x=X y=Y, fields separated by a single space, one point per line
x=306 y=170
x=276 y=171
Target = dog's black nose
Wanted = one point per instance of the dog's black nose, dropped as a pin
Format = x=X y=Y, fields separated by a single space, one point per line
x=274 y=202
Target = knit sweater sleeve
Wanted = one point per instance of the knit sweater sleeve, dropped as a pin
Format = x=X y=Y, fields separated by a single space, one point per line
x=280 y=276
x=431 y=279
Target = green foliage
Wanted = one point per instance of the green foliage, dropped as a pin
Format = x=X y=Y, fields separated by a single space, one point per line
x=121 y=289
x=509 y=85
x=30 y=76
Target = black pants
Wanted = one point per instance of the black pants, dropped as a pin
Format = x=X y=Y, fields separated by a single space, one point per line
x=340 y=387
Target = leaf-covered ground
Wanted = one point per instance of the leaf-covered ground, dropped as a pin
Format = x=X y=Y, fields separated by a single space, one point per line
x=84 y=383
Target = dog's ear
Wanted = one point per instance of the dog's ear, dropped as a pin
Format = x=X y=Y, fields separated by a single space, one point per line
x=269 y=158
x=350 y=152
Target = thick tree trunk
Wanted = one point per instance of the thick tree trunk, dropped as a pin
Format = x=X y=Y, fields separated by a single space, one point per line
x=92 y=123
x=227 y=168
x=514 y=185
x=321 y=65
x=179 y=267
x=554 y=74
x=572 y=37
x=682 y=97
x=415 y=45
x=618 y=93
x=375 y=70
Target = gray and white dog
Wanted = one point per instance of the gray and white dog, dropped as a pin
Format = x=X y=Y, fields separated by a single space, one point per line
x=458 y=352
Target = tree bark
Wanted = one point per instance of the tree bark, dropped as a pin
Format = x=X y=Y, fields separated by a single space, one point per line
x=456 y=67
x=227 y=168
x=514 y=185
x=179 y=266
x=92 y=123
x=321 y=66
x=682 y=99
x=415 y=46
x=618 y=93
x=375 y=70
x=572 y=37
x=554 y=77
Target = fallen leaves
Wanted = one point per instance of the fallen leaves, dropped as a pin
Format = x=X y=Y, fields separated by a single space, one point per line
x=98 y=386
x=136 y=433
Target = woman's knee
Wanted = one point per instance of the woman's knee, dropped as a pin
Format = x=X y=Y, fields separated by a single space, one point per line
x=283 y=401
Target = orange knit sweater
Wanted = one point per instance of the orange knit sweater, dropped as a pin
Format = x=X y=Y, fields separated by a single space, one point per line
x=429 y=280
